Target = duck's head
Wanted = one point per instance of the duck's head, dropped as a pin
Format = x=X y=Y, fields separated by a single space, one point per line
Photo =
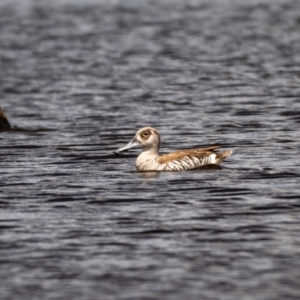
x=147 y=138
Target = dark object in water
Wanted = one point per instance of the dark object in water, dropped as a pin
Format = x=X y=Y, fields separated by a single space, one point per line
x=4 y=124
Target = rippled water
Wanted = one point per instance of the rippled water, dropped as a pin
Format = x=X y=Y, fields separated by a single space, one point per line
x=78 y=80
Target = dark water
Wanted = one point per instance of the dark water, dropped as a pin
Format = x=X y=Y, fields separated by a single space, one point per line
x=78 y=80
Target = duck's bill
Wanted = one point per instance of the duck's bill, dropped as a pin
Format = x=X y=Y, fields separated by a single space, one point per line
x=131 y=144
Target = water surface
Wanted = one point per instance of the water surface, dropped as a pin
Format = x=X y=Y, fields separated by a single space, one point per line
x=78 y=80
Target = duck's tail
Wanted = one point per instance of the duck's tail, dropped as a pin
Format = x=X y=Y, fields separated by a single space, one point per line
x=222 y=155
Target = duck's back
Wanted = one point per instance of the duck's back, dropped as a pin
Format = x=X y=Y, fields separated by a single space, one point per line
x=192 y=158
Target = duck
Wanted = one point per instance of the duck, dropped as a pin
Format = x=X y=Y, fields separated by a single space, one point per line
x=4 y=124
x=148 y=138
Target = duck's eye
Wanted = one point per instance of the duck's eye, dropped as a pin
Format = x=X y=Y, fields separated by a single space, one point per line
x=145 y=134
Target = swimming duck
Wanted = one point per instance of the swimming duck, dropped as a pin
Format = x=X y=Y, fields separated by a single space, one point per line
x=4 y=124
x=149 y=160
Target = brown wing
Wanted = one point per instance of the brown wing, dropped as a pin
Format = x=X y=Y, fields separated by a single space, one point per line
x=178 y=155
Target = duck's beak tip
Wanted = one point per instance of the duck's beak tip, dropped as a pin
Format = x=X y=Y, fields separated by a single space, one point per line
x=131 y=144
x=117 y=152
